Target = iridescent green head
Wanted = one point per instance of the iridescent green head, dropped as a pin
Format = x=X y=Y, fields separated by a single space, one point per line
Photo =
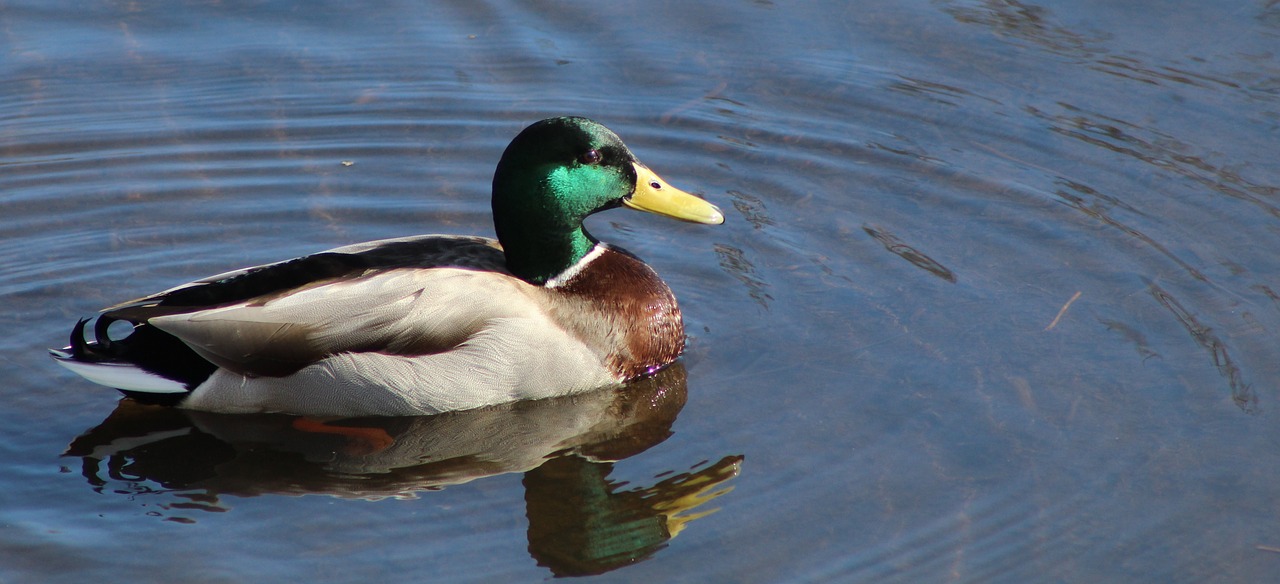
x=556 y=173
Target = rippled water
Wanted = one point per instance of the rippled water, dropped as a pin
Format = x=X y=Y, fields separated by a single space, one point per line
x=996 y=299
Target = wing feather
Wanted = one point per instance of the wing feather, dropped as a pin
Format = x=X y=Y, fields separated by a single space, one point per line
x=351 y=261
x=399 y=311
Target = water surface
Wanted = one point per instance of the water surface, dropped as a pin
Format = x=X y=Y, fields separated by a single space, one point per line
x=995 y=300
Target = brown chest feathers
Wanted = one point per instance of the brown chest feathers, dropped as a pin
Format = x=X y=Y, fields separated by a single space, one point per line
x=619 y=303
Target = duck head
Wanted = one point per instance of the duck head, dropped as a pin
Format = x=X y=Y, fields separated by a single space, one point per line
x=559 y=171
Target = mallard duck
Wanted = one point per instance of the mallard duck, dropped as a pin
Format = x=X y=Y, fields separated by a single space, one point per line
x=424 y=324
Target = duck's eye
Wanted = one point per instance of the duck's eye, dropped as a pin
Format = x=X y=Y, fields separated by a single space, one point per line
x=591 y=156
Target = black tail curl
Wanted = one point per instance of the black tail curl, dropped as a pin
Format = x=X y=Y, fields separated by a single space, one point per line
x=80 y=350
x=103 y=347
x=146 y=347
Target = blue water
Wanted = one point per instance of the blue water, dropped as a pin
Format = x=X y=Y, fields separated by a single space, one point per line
x=995 y=300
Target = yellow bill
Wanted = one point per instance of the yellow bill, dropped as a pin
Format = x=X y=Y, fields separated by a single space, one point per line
x=654 y=195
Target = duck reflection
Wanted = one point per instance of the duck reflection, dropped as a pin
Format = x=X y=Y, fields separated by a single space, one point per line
x=580 y=522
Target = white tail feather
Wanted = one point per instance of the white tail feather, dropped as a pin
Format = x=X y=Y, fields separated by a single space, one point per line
x=118 y=375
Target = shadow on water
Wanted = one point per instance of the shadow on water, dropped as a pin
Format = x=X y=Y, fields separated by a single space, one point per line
x=580 y=521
